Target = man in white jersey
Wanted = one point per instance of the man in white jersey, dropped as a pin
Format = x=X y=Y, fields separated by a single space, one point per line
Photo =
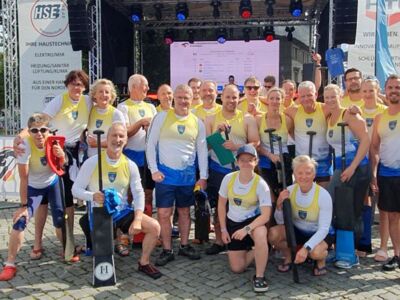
x=138 y=115
x=120 y=174
x=385 y=151
x=176 y=139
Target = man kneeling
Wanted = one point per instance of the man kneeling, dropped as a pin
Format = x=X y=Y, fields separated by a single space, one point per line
x=125 y=175
x=312 y=215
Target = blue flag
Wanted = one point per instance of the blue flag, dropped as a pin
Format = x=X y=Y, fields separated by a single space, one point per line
x=384 y=65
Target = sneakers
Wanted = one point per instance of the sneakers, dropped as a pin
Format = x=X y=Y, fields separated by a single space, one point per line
x=8 y=273
x=343 y=264
x=260 y=284
x=165 y=257
x=189 y=252
x=215 y=249
x=149 y=270
x=392 y=264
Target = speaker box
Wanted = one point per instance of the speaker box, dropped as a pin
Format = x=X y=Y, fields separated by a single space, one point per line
x=78 y=25
x=308 y=72
x=120 y=75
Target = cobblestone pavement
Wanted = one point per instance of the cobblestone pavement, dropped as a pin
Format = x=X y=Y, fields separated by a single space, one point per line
x=208 y=278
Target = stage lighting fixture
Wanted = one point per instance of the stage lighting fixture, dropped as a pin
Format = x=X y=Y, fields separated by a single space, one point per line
x=270 y=7
x=216 y=4
x=269 y=33
x=289 y=31
x=136 y=13
x=296 y=8
x=245 y=9
x=246 y=34
x=221 y=35
x=158 y=11
x=190 y=34
x=168 y=37
x=182 y=11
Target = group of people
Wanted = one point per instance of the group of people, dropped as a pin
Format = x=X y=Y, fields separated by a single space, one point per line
x=165 y=148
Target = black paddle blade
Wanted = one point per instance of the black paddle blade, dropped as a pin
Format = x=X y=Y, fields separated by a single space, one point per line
x=344 y=207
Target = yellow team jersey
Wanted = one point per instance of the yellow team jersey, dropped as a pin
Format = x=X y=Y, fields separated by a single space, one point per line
x=38 y=160
x=310 y=213
x=243 y=106
x=244 y=201
x=138 y=110
x=72 y=116
x=202 y=113
x=179 y=130
x=114 y=176
x=389 y=151
x=346 y=102
x=100 y=121
x=370 y=114
x=282 y=131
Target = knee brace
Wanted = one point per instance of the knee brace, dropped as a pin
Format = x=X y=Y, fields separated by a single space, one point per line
x=20 y=225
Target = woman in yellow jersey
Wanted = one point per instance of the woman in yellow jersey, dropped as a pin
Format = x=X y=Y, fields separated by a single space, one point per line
x=357 y=169
x=370 y=109
x=38 y=184
x=312 y=215
x=243 y=226
x=166 y=97
x=283 y=126
x=103 y=114
x=251 y=102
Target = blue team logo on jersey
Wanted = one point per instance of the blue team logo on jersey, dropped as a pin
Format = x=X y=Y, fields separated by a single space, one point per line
x=392 y=124
x=181 y=129
x=237 y=201
x=309 y=122
x=369 y=121
x=142 y=112
x=112 y=176
x=74 y=115
x=43 y=161
x=302 y=214
x=330 y=133
x=99 y=123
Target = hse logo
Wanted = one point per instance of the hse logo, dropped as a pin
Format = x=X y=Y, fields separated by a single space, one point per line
x=49 y=17
x=392 y=10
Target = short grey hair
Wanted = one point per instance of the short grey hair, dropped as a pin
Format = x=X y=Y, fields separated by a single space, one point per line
x=39 y=118
x=302 y=160
x=209 y=81
x=117 y=124
x=307 y=85
x=333 y=87
x=135 y=80
x=252 y=79
x=185 y=88
x=103 y=81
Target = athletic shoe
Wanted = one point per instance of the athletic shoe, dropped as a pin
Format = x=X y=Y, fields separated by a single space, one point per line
x=342 y=264
x=149 y=270
x=8 y=273
x=189 y=252
x=392 y=264
x=165 y=257
x=215 y=249
x=260 y=284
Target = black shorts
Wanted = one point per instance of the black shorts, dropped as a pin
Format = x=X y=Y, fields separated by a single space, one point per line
x=147 y=183
x=235 y=245
x=302 y=238
x=389 y=191
x=213 y=184
x=124 y=223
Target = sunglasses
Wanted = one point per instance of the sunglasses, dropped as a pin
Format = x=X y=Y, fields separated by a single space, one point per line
x=252 y=88
x=268 y=86
x=35 y=130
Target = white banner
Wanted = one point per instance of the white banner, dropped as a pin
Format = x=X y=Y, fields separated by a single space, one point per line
x=9 y=179
x=45 y=53
x=362 y=53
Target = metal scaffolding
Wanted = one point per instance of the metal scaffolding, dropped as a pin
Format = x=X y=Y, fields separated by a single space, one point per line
x=95 y=55
x=11 y=65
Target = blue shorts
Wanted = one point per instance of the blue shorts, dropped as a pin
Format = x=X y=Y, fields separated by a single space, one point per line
x=36 y=197
x=168 y=195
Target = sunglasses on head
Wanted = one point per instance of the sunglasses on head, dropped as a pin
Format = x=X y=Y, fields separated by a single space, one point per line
x=35 y=130
x=252 y=88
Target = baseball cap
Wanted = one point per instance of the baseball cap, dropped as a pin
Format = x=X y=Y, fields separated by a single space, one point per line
x=249 y=149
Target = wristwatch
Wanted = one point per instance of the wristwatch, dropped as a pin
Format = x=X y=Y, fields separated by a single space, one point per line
x=247 y=229
x=308 y=248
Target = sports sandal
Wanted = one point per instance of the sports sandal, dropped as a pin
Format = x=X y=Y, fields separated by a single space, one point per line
x=319 y=271
x=8 y=273
x=122 y=245
x=381 y=256
x=284 y=267
x=36 y=254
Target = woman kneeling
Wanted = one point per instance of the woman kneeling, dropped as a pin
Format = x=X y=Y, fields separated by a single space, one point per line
x=312 y=215
x=243 y=227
